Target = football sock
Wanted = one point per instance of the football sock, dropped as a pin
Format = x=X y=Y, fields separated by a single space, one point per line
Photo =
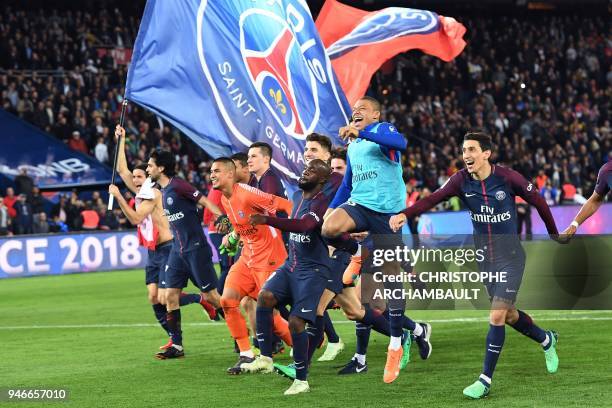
x=495 y=342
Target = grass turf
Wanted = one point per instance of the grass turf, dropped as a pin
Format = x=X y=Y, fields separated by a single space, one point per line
x=95 y=335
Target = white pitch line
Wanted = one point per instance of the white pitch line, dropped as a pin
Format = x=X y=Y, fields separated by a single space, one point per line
x=135 y=325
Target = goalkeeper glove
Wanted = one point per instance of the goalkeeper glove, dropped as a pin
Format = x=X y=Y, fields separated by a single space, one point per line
x=232 y=247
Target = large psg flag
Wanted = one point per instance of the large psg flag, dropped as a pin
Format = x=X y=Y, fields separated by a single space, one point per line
x=229 y=73
x=358 y=42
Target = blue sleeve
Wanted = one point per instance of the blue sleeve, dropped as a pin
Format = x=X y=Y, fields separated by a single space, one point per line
x=385 y=135
x=344 y=191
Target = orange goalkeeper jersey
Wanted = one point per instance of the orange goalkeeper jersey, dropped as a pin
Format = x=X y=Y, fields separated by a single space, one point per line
x=263 y=245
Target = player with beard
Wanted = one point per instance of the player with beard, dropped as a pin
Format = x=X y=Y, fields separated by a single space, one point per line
x=190 y=257
x=301 y=280
x=153 y=233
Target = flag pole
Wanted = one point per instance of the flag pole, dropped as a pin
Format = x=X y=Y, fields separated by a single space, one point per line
x=124 y=105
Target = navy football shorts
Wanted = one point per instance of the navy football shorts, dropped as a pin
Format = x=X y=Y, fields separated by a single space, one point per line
x=156 y=264
x=338 y=264
x=195 y=265
x=374 y=222
x=302 y=289
x=507 y=290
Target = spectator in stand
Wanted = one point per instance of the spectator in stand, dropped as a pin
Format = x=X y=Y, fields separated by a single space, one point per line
x=62 y=129
x=541 y=179
x=36 y=202
x=59 y=210
x=23 y=220
x=57 y=225
x=101 y=151
x=550 y=194
x=24 y=183
x=5 y=219
x=523 y=214
x=9 y=201
x=96 y=200
x=412 y=195
x=123 y=221
x=41 y=225
x=78 y=144
x=569 y=194
x=90 y=218
x=108 y=219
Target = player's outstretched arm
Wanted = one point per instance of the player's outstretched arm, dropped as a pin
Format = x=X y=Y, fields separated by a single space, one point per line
x=209 y=205
x=602 y=188
x=304 y=224
x=309 y=222
x=122 y=167
x=452 y=187
x=529 y=192
x=282 y=204
x=135 y=217
x=589 y=208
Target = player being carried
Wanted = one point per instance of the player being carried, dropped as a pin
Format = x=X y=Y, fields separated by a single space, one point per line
x=489 y=192
x=301 y=280
x=371 y=192
x=263 y=252
x=153 y=234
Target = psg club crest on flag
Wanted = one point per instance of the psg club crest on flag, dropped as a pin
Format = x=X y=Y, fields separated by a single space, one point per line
x=231 y=73
x=270 y=76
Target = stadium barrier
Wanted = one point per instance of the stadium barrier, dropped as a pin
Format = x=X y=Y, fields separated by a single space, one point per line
x=57 y=254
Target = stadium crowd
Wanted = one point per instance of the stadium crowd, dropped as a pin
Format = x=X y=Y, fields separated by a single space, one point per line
x=540 y=86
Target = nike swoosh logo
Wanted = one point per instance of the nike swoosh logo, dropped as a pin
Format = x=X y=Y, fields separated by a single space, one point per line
x=470 y=195
x=330 y=280
x=204 y=287
x=306 y=311
x=360 y=369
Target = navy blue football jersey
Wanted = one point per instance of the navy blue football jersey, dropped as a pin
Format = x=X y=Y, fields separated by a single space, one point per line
x=308 y=249
x=180 y=205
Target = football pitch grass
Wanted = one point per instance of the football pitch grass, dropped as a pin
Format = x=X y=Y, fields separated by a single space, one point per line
x=95 y=335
